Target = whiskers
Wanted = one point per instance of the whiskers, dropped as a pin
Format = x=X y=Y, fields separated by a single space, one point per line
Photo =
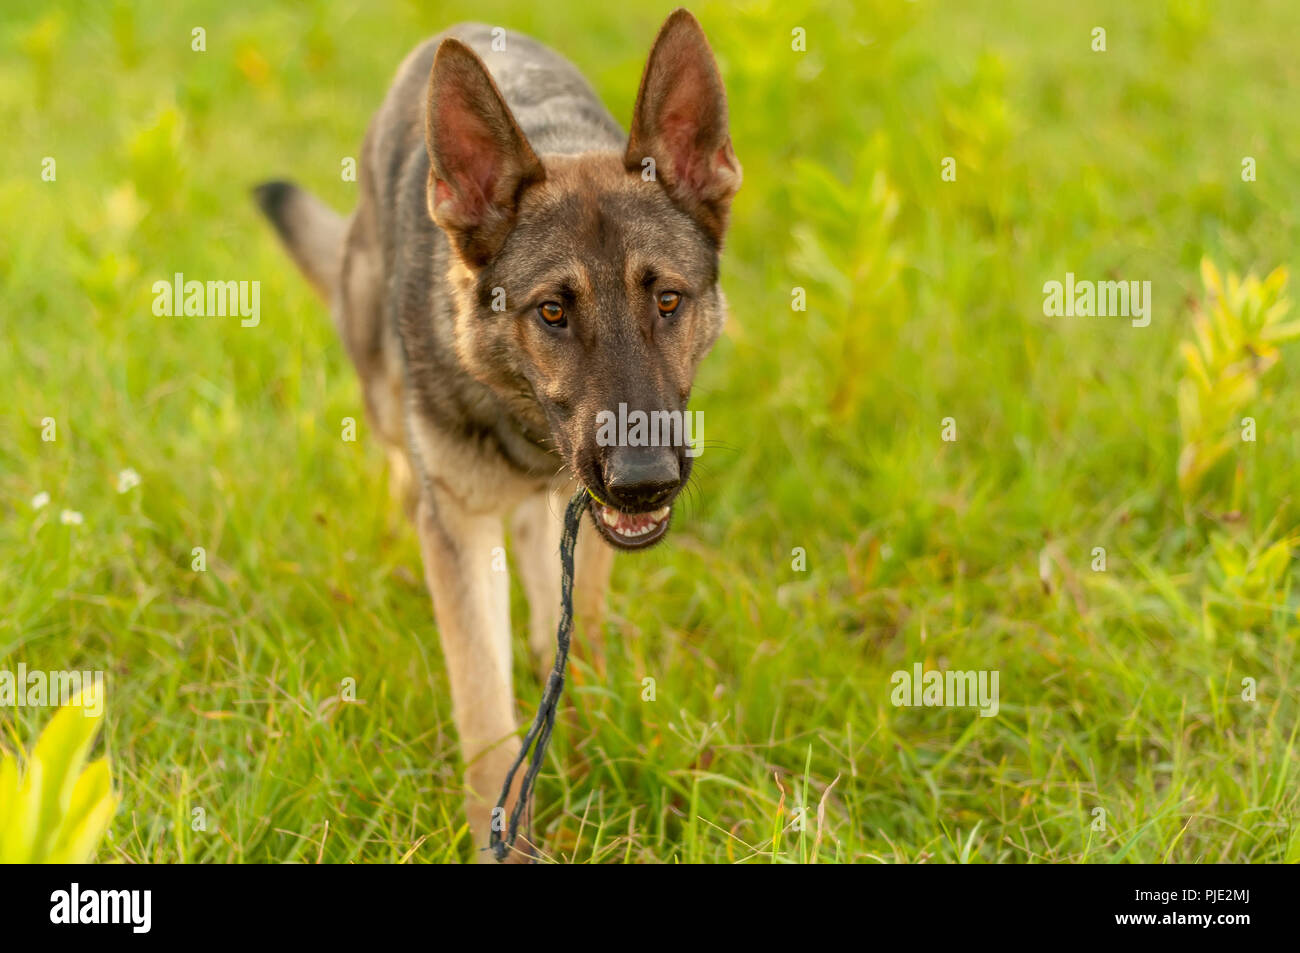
x=559 y=480
x=692 y=494
x=717 y=445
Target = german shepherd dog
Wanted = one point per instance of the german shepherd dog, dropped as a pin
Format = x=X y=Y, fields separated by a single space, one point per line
x=516 y=266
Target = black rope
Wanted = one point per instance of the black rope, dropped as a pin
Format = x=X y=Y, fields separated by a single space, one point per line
x=545 y=720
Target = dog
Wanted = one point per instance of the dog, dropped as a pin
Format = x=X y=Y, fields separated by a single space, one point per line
x=516 y=266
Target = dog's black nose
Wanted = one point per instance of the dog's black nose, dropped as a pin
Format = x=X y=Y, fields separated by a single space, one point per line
x=641 y=478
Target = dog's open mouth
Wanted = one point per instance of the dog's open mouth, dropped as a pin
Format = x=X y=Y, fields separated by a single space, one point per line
x=630 y=530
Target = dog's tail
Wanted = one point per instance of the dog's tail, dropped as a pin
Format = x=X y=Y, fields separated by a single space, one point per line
x=312 y=232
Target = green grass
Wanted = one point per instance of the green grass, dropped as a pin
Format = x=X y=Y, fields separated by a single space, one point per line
x=1120 y=690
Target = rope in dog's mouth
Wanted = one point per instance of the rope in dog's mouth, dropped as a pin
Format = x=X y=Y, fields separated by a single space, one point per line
x=540 y=732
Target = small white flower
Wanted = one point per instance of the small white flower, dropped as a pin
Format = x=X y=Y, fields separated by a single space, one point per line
x=128 y=479
x=40 y=499
x=70 y=518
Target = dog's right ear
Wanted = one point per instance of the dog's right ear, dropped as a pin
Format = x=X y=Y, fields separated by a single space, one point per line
x=479 y=160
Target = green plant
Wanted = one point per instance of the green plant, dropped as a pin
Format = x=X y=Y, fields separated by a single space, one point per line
x=1254 y=580
x=51 y=809
x=1236 y=338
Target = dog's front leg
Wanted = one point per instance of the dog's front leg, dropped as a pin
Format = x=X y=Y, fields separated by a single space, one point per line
x=538 y=526
x=471 y=602
x=594 y=561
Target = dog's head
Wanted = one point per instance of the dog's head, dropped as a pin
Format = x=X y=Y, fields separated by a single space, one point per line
x=587 y=285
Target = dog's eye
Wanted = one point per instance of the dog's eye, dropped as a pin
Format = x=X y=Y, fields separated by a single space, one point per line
x=668 y=302
x=552 y=314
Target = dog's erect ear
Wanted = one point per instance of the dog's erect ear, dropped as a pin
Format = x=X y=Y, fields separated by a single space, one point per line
x=680 y=122
x=479 y=160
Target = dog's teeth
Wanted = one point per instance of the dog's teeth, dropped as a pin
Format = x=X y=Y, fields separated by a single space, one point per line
x=616 y=521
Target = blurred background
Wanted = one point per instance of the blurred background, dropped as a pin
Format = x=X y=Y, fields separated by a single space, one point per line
x=833 y=535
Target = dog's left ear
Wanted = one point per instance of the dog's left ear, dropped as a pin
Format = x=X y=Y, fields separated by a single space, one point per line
x=680 y=122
